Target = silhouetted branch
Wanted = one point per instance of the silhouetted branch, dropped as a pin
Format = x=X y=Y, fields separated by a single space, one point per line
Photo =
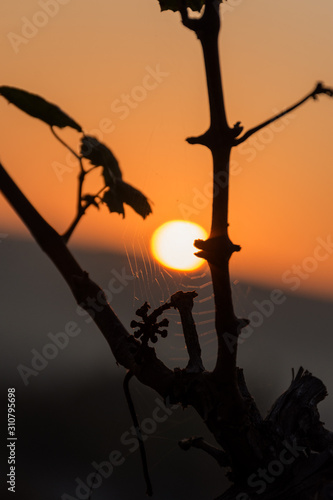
x=184 y=303
x=81 y=210
x=320 y=89
x=253 y=409
x=191 y=24
x=220 y=397
x=198 y=442
x=66 y=236
x=218 y=249
x=152 y=372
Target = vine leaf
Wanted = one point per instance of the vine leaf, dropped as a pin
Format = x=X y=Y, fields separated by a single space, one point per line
x=101 y=156
x=134 y=198
x=36 y=106
x=119 y=192
x=113 y=202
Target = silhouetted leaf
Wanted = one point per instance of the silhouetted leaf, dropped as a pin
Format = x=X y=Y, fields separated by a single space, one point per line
x=36 y=106
x=174 y=5
x=121 y=193
x=101 y=156
x=134 y=198
x=113 y=202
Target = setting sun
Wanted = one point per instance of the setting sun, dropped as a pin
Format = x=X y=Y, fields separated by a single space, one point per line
x=172 y=244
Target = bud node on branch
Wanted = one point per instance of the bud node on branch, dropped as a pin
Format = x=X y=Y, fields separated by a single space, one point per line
x=208 y=24
x=216 y=250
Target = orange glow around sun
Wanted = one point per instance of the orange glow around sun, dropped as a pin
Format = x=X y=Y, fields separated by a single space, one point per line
x=172 y=244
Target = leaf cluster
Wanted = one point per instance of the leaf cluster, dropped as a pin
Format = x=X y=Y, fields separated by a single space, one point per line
x=115 y=192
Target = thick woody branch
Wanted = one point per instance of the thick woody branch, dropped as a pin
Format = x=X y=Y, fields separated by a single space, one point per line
x=124 y=347
x=252 y=407
x=218 y=249
x=320 y=89
x=191 y=24
x=207 y=30
x=184 y=303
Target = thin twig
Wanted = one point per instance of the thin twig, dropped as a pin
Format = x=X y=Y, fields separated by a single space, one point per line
x=318 y=90
x=66 y=145
x=129 y=400
x=82 y=173
x=80 y=213
x=73 y=225
x=80 y=209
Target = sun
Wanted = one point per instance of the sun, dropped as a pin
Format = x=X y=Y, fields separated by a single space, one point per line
x=172 y=244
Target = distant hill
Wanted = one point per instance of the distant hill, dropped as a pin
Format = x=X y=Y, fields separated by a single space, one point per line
x=71 y=412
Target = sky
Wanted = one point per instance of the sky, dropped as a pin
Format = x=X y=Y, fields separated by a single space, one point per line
x=134 y=78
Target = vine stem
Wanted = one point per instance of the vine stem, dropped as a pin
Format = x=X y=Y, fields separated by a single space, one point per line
x=67 y=146
x=218 y=249
x=81 y=209
x=319 y=89
x=80 y=213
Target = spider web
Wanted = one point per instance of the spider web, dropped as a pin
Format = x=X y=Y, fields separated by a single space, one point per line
x=155 y=284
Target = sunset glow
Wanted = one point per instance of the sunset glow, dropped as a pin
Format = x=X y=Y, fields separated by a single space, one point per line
x=140 y=88
x=172 y=244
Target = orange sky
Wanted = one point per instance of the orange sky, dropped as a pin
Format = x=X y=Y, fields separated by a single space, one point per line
x=87 y=56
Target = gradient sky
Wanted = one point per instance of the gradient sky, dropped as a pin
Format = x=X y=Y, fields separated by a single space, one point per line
x=87 y=56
